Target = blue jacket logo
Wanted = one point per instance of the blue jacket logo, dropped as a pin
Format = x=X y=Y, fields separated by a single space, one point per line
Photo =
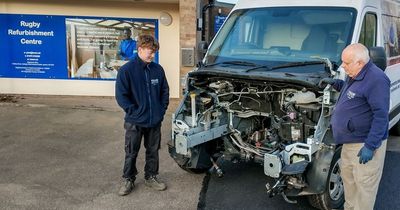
x=154 y=81
x=350 y=94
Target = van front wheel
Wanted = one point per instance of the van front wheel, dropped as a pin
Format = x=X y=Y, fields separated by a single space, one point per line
x=333 y=197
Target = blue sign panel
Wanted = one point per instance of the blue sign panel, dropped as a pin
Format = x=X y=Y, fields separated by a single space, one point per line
x=218 y=21
x=34 y=46
x=5 y=51
x=68 y=47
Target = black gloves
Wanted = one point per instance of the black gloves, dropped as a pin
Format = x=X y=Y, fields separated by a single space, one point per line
x=325 y=81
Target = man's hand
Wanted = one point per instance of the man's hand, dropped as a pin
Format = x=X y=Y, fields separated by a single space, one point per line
x=365 y=155
x=325 y=81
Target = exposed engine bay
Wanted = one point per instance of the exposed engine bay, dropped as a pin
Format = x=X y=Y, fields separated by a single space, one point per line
x=280 y=125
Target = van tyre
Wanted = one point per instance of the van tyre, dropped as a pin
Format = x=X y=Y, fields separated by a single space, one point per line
x=333 y=197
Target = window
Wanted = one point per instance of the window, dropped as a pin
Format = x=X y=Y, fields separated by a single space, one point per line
x=368 y=30
x=273 y=36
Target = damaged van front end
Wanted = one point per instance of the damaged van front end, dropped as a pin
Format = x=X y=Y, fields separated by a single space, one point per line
x=256 y=98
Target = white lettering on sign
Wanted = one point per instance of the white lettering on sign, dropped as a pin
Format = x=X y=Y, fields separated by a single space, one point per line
x=31 y=41
x=32 y=24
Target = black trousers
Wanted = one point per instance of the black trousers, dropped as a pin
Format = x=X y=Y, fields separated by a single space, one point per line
x=133 y=138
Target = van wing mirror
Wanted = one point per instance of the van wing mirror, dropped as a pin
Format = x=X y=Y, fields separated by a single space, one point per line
x=378 y=57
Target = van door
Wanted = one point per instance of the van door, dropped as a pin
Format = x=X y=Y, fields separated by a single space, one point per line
x=371 y=35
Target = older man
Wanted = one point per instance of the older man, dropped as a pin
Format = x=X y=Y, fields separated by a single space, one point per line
x=360 y=123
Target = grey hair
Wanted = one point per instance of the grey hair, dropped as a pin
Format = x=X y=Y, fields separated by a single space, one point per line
x=360 y=52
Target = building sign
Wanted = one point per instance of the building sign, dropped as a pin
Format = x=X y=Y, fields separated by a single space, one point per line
x=218 y=21
x=32 y=46
x=61 y=47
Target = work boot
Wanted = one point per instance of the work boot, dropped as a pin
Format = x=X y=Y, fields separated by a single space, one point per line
x=154 y=183
x=126 y=188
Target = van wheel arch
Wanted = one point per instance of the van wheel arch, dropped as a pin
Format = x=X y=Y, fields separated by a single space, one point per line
x=333 y=196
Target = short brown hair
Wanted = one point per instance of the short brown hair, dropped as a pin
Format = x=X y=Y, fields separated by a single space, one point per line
x=148 y=41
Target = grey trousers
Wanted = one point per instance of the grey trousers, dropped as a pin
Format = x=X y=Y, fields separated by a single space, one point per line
x=361 y=181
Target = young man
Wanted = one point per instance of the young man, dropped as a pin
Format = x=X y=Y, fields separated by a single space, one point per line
x=360 y=122
x=127 y=48
x=142 y=92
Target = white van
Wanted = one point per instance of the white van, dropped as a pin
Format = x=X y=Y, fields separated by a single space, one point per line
x=255 y=97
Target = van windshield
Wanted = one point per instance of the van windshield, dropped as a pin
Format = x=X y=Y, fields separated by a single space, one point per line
x=277 y=36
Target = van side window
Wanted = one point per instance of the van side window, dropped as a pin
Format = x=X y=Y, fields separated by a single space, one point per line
x=368 y=30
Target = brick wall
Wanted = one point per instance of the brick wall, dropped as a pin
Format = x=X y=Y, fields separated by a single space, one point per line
x=187 y=11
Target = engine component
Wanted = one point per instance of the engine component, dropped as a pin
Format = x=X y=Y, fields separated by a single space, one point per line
x=327 y=95
x=263 y=122
x=272 y=165
x=302 y=97
x=301 y=149
x=291 y=131
x=296 y=182
x=217 y=169
x=221 y=87
x=193 y=103
x=181 y=144
x=295 y=168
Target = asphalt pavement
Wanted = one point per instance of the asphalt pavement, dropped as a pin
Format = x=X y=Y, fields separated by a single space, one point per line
x=65 y=152
x=62 y=152
x=243 y=187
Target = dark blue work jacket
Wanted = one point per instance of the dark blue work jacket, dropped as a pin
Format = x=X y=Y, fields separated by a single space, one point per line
x=142 y=91
x=361 y=114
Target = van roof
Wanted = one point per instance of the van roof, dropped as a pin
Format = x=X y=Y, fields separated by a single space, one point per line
x=246 y=4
